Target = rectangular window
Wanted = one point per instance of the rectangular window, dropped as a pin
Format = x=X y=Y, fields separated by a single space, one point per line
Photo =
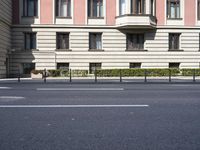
x=62 y=41
x=174 y=41
x=95 y=8
x=30 y=41
x=63 y=8
x=173 y=8
x=122 y=7
x=30 y=8
x=174 y=65
x=135 y=42
x=93 y=67
x=64 y=66
x=95 y=41
x=28 y=67
x=138 y=6
x=135 y=65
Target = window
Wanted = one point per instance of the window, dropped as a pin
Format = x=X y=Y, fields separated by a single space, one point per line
x=62 y=40
x=63 y=8
x=135 y=65
x=152 y=8
x=122 y=7
x=28 y=67
x=30 y=8
x=174 y=65
x=198 y=9
x=95 y=41
x=174 y=41
x=64 y=66
x=135 y=42
x=138 y=6
x=173 y=9
x=30 y=41
x=95 y=8
x=93 y=67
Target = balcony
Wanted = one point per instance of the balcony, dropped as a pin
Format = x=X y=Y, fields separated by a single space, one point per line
x=145 y=21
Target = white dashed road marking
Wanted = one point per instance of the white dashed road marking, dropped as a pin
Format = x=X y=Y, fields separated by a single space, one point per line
x=71 y=106
x=80 y=89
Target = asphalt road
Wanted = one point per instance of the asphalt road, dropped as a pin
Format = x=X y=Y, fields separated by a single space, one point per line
x=99 y=116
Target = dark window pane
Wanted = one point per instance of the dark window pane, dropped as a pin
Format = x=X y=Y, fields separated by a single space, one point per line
x=174 y=65
x=64 y=66
x=95 y=41
x=135 y=41
x=93 y=67
x=62 y=40
x=135 y=65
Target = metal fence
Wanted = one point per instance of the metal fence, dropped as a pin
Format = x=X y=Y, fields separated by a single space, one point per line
x=117 y=76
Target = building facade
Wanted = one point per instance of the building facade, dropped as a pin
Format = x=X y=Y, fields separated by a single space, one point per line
x=5 y=36
x=84 y=34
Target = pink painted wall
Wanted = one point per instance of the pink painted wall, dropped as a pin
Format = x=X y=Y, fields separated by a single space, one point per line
x=15 y=11
x=190 y=12
x=79 y=12
x=46 y=11
x=160 y=12
x=110 y=12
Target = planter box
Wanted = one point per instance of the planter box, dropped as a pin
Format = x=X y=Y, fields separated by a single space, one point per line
x=36 y=76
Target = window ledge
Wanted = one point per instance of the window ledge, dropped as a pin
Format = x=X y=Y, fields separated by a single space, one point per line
x=96 y=50
x=35 y=17
x=63 y=50
x=60 y=17
x=95 y=17
x=136 y=50
x=175 y=50
x=174 y=18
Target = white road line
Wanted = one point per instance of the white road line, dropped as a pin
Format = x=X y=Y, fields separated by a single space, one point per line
x=5 y=88
x=71 y=106
x=80 y=89
x=11 y=97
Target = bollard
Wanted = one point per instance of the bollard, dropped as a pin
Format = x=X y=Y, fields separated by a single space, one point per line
x=18 y=78
x=145 y=76
x=170 y=75
x=70 y=75
x=45 y=75
x=120 y=75
x=194 y=75
x=95 y=74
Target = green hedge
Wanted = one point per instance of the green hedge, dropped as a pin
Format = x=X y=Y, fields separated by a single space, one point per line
x=136 y=72
x=190 y=72
x=66 y=73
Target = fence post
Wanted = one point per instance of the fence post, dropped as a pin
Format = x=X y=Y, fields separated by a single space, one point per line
x=45 y=75
x=70 y=75
x=145 y=75
x=95 y=75
x=18 y=78
x=194 y=75
x=170 y=75
x=120 y=75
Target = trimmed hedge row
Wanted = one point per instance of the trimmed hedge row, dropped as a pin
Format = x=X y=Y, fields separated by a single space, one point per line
x=137 y=72
x=66 y=73
x=123 y=72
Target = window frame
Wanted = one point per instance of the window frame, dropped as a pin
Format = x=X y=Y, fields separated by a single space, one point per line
x=31 y=36
x=97 y=65
x=60 y=47
x=176 y=63
x=95 y=48
x=26 y=8
x=134 y=65
x=138 y=7
x=91 y=8
x=172 y=42
x=59 y=64
x=135 y=46
x=58 y=9
x=177 y=11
